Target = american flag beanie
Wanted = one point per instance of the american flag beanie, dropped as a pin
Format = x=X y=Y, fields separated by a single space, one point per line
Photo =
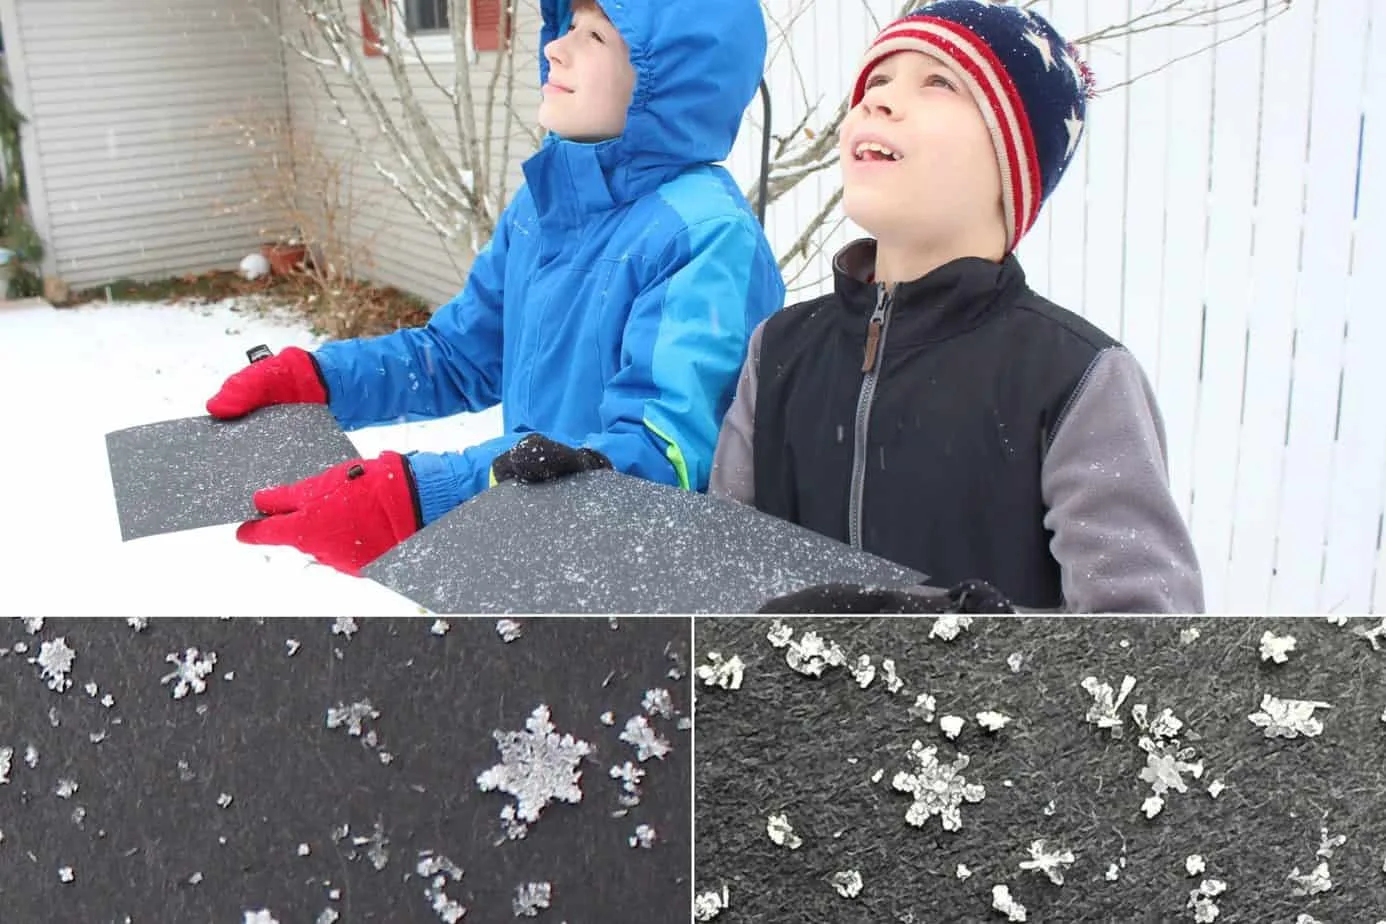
x=1029 y=82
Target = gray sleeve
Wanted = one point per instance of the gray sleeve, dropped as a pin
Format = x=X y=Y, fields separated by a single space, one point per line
x=733 y=463
x=1118 y=536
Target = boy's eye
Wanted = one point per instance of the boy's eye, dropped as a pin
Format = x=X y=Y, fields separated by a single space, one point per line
x=938 y=80
x=876 y=80
x=598 y=37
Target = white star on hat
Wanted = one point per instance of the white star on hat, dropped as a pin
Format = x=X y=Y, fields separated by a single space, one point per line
x=1075 y=129
x=1042 y=46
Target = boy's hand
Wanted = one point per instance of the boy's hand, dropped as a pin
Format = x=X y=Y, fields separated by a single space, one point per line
x=971 y=596
x=288 y=378
x=537 y=458
x=346 y=516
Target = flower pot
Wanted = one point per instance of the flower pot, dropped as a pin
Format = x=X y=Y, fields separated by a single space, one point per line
x=284 y=258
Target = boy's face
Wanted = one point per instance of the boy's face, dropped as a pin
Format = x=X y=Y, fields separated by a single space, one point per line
x=590 y=79
x=939 y=184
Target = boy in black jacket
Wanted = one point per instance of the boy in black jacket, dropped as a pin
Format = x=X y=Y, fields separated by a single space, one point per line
x=934 y=410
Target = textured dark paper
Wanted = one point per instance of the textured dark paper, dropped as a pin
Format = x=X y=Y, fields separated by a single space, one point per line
x=150 y=825
x=198 y=471
x=609 y=543
x=810 y=747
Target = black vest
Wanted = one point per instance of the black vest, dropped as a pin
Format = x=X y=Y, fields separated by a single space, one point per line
x=973 y=373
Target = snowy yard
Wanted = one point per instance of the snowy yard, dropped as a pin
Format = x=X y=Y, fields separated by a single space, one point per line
x=70 y=376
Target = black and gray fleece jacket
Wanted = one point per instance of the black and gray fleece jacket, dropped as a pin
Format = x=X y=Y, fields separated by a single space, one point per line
x=963 y=426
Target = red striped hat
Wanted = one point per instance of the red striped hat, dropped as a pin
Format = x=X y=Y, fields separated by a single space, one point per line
x=1029 y=82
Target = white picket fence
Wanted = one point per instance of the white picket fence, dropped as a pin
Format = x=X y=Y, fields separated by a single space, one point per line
x=1225 y=219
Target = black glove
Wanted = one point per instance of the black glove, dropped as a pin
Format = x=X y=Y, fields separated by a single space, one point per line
x=971 y=596
x=537 y=458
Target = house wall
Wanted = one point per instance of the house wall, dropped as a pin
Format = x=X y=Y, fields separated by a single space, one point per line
x=400 y=247
x=130 y=149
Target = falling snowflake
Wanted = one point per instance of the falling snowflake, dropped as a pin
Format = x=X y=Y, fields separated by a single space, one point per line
x=352 y=716
x=782 y=832
x=951 y=726
x=438 y=869
x=55 y=661
x=993 y=721
x=1307 y=919
x=304 y=850
x=32 y=624
x=1051 y=862
x=1194 y=865
x=1311 y=883
x=1215 y=788
x=646 y=741
x=1288 y=718
x=344 y=626
x=6 y=758
x=863 y=672
x=291 y=646
x=811 y=655
x=66 y=789
x=1188 y=636
x=949 y=626
x=658 y=702
x=1107 y=702
x=719 y=673
x=190 y=671
x=1002 y=901
x=1152 y=806
x=224 y=800
x=259 y=917
x=1164 y=771
x=537 y=767
x=644 y=837
x=1276 y=648
x=439 y=627
x=779 y=634
x=923 y=708
x=608 y=718
x=531 y=898
x=1201 y=900
x=508 y=629
x=962 y=872
x=847 y=883
x=65 y=874
x=708 y=905
x=938 y=789
x=138 y=623
x=1015 y=662
x=330 y=916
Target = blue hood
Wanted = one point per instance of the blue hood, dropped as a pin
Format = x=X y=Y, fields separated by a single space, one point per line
x=697 y=66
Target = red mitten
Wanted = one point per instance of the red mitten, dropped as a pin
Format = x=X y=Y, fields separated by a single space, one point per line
x=346 y=517
x=288 y=378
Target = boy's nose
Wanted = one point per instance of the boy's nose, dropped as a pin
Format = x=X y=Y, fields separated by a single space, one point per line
x=553 y=51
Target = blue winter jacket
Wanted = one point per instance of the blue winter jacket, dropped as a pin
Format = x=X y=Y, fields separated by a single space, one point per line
x=613 y=305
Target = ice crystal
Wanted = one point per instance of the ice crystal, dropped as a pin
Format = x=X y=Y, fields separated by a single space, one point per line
x=937 y=788
x=726 y=674
x=531 y=898
x=537 y=766
x=54 y=662
x=1288 y=718
x=190 y=671
x=640 y=735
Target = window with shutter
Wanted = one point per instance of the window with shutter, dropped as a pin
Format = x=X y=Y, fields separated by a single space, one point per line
x=486 y=24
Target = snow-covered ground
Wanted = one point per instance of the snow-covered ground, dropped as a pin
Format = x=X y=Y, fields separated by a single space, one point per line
x=70 y=376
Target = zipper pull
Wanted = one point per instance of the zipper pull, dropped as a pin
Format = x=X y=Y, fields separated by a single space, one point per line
x=873 y=332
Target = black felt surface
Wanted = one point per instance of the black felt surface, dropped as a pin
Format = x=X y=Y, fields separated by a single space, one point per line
x=783 y=741
x=606 y=542
x=261 y=738
x=198 y=471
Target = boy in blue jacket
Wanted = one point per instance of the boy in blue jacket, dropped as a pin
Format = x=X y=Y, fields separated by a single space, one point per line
x=609 y=314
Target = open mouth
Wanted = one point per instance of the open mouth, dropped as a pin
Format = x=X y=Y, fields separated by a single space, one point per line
x=874 y=151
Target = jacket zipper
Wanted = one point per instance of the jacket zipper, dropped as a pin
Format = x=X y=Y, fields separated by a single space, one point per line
x=871 y=369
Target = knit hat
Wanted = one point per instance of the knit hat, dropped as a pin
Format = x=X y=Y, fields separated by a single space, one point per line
x=1029 y=82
